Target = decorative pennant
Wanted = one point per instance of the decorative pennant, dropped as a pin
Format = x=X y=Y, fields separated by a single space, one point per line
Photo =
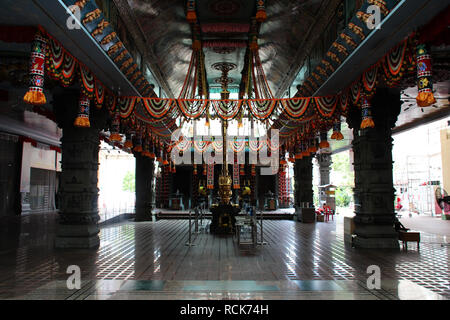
x=236 y=182
x=366 y=112
x=35 y=94
x=82 y=120
x=425 y=97
x=210 y=177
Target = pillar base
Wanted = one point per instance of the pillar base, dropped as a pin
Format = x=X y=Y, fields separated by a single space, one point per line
x=77 y=236
x=375 y=243
x=143 y=218
x=143 y=214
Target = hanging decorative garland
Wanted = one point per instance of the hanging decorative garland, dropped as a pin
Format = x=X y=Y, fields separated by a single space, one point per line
x=355 y=91
x=192 y=109
x=369 y=80
x=55 y=59
x=255 y=144
x=126 y=106
x=393 y=63
x=68 y=70
x=262 y=109
x=344 y=102
x=87 y=80
x=99 y=94
x=183 y=144
x=226 y=109
x=157 y=108
x=296 y=107
x=201 y=146
x=326 y=105
x=236 y=145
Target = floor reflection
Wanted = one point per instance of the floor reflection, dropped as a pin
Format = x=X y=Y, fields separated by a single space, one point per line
x=296 y=263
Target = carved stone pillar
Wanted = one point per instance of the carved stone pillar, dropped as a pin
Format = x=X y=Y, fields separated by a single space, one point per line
x=144 y=177
x=78 y=194
x=304 y=203
x=305 y=181
x=374 y=191
x=324 y=160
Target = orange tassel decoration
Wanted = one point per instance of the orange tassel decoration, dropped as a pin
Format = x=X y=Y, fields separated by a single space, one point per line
x=35 y=94
x=337 y=135
x=367 y=121
x=425 y=98
x=82 y=120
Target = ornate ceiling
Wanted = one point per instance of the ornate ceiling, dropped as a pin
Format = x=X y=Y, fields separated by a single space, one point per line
x=285 y=39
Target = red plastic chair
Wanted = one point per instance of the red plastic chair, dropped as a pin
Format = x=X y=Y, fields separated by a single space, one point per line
x=328 y=212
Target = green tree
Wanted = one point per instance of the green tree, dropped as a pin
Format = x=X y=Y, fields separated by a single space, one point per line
x=343 y=178
x=343 y=196
x=128 y=183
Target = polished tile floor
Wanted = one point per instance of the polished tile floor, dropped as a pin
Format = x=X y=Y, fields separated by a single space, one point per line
x=150 y=260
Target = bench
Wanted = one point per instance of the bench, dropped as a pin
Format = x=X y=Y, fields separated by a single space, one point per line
x=406 y=236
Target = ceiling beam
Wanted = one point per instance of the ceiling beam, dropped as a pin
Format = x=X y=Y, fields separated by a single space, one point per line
x=327 y=10
x=126 y=13
x=401 y=21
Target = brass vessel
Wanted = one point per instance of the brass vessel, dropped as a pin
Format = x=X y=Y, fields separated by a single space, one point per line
x=225 y=192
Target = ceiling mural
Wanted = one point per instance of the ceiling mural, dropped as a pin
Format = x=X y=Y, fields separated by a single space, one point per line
x=224 y=27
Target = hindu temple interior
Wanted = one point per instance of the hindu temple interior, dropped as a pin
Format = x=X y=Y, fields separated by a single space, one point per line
x=225 y=149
